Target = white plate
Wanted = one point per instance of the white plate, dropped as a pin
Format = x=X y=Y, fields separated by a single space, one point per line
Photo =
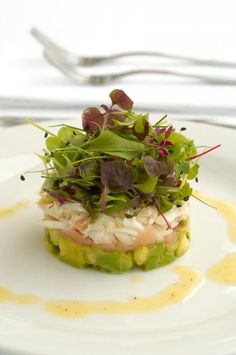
x=204 y=324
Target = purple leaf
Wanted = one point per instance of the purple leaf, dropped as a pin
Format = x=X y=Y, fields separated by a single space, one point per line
x=164 y=140
x=71 y=191
x=117 y=174
x=162 y=152
x=156 y=167
x=92 y=118
x=55 y=195
x=168 y=132
x=105 y=107
x=152 y=166
x=169 y=143
x=119 y=98
x=114 y=114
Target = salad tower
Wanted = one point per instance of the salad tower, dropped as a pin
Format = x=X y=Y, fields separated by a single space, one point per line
x=115 y=193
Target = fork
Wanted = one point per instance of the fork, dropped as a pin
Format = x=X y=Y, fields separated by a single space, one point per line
x=75 y=75
x=70 y=58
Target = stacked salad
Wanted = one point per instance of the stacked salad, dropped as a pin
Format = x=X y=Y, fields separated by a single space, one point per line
x=115 y=193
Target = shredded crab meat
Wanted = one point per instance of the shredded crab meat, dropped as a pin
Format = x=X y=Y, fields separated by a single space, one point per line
x=145 y=227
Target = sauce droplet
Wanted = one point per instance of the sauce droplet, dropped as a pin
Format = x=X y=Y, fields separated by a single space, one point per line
x=137 y=279
x=224 y=271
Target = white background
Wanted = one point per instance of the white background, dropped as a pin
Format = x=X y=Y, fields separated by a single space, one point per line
x=196 y=28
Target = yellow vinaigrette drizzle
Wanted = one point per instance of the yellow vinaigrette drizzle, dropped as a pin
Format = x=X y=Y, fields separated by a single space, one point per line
x=224 y=271
x=226 y=209
x=11 y=210
x=177 y=292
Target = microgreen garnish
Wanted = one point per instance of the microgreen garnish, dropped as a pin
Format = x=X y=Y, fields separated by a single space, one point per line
x=205 y=152
x=118 y=160
x=204 y=202
x=55 y=195
x=164 y=217
x=104 y=195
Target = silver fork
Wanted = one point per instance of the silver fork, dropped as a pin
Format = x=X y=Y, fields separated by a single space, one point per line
x=72 y=72
x=70 y=58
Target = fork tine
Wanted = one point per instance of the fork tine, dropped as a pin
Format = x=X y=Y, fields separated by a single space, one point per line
x=66 y=56
x=44 y=40
x=70 y=72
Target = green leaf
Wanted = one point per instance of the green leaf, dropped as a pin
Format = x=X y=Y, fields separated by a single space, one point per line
x=147 y=186
x=48 y=184
x=139 y=126
x=182 y=167
x=165 y=205
x=114 y=203
x=65 y=133
x=177 y=138
x=45 y=158
x=118 y=197
x=193 y=172
x=112 y=144
x=127 y=122
x=185 y=166
x=53 y=143
x=183 y=192
x=78 y=140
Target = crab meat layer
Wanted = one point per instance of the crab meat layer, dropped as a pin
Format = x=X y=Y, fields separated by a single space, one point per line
x=116 y=232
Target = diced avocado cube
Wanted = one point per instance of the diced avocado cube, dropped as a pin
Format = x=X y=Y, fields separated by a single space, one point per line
x=167 y=259
x=155 y=253
x=183 y=245
x=67 y=250
x=115 y=261
x=140 y=255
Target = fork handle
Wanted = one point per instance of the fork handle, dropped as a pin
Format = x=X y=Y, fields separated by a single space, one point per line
x=198 y=61
x=205 y=78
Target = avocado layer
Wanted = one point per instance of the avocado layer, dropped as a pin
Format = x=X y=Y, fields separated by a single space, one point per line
x=146 y=257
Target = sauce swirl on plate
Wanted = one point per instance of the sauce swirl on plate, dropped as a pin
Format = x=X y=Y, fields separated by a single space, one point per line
x=187 y=282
